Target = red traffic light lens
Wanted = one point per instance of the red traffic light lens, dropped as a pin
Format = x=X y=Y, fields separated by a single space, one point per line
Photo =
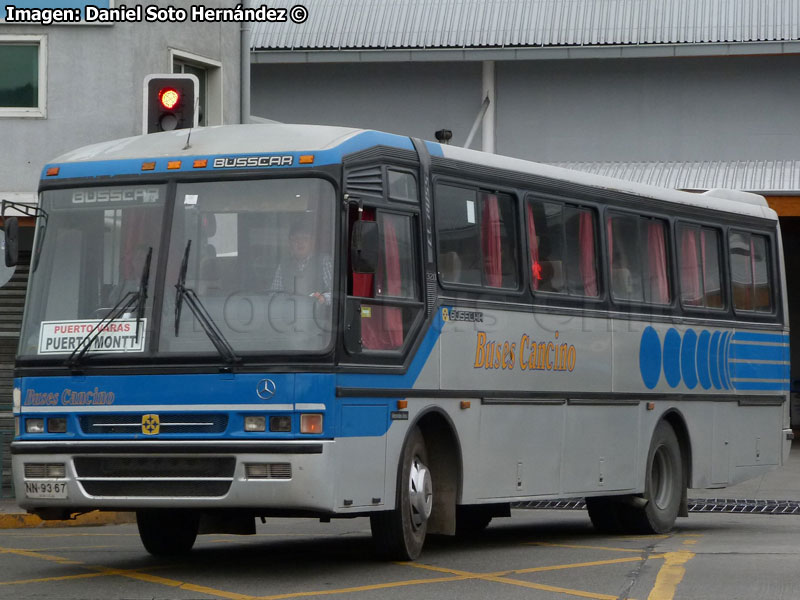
x=169 y=98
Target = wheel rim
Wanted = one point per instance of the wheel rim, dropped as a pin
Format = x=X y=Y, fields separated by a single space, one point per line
x=420 y=493
x=662 y=477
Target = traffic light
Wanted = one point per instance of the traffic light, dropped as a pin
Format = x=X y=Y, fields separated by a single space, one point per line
x=170 y=102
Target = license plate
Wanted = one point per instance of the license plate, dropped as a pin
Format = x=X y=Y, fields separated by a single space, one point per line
x=45 y=489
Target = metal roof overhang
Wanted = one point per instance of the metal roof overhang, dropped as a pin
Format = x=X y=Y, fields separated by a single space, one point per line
x=377 y=55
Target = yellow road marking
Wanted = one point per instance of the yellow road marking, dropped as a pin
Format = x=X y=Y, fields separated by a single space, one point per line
x=551 y=588
x=42 y=555
x=48 y=579
x=366 y=588
x=670 y=575
x=689 y=542
x=596 y=563
x=580 y=547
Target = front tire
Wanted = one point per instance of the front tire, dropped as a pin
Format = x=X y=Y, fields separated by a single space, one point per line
x=663 y=487
x=399 y=534
x=166 y=532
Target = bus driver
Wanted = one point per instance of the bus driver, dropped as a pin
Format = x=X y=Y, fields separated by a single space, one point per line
x=303 y=272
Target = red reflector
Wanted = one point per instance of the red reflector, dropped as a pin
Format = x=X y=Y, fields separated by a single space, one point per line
x=52 y=171
x=169 y=97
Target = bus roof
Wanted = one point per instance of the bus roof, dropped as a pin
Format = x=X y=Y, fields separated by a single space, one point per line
x=336 y=142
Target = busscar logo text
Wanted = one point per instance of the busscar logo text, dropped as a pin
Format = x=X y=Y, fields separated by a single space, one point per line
x=235 y=162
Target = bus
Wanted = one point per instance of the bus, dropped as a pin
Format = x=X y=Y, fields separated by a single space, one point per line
x=281 y=320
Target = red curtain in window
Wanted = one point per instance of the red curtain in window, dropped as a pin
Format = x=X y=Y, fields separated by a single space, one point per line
x=383 y=329
x=587 y=248
x=691 y=284
x=533 y=248
x=657 y=263
x=363 y=283
x=490 y=241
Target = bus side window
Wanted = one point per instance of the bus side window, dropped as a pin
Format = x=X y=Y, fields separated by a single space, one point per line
x=637 y=250
x=562 y=248
x=699 y=266
x=750 y=272
x=476 y=237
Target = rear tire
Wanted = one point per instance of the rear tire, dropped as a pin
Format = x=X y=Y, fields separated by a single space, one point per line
x=166 y=532
x=664 y=485
x=399 y=534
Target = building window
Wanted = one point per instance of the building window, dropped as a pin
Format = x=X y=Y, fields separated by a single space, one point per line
x=209 y=76
x=22 y=75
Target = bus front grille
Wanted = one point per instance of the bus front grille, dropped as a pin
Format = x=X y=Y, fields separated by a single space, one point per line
x=188 y=467
x=156 y=489
x=177 y=423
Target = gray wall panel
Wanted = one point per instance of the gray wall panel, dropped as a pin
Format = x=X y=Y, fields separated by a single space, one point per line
x=741 y=108
x=403 y=98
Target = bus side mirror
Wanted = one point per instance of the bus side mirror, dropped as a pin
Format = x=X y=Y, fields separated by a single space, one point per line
x=11 y=228
x=364 y=247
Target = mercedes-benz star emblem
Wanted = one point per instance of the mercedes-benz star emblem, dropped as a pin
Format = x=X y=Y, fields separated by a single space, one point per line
x=266 y=389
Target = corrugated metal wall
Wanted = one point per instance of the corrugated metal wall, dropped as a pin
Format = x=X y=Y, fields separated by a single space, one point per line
x=754 y=175
x=383 y=24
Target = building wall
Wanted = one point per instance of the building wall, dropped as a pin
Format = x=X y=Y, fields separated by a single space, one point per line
x=95 y=78
x=726 y=108
x=717 y=108
x=414 y=99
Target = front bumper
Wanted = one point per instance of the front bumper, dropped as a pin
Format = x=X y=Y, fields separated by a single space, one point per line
x=271 y=476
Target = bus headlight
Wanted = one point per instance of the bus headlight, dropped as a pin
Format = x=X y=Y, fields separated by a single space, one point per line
x=34 y=425
x=255 y=423
x=16 y=398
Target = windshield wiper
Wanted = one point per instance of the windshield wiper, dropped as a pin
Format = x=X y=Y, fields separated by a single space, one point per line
x=128 y=301
x=200 y=312
x=143 y=282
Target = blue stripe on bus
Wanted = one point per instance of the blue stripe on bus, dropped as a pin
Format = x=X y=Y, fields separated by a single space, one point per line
x=766 y=338
x=331 y=156
x=758 y=371
x=752 y=352
x=761 y=386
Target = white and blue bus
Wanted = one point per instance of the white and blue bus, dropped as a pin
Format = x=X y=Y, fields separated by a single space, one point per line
x=461 y=332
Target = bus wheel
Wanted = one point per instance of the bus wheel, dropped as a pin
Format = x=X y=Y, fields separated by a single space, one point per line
x=663 y=486
x=400 y=533
x=606 y=514
x=167 y=532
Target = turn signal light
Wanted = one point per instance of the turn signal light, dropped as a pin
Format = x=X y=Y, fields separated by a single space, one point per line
x=311 y=423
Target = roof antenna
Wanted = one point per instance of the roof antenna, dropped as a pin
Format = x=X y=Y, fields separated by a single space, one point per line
x=189 y=137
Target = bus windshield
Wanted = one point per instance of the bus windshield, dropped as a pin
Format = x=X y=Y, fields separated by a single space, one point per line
x=255 y=256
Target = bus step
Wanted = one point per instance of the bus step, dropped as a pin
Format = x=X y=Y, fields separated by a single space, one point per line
x=698 y=505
